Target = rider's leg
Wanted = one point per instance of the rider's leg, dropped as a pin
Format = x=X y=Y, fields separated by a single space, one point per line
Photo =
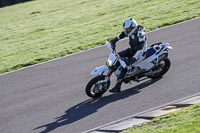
x=117 y=87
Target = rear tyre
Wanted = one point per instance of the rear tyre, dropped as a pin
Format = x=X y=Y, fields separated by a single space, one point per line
x=164 y=65
x=93 y=87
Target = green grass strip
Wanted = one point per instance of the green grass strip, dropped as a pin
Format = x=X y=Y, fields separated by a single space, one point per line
x=182 y=121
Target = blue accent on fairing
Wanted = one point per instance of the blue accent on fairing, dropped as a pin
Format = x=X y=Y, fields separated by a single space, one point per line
x=150 y=52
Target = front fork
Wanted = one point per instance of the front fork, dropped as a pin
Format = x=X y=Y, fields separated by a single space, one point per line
x=109 y=74
x=104 y=83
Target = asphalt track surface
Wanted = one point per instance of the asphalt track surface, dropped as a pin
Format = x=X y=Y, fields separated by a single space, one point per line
x=50 y=97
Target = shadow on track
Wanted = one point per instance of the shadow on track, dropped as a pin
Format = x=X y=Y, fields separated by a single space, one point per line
x=91 y=106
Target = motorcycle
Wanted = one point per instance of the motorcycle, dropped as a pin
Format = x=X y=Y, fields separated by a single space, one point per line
x=154 y=65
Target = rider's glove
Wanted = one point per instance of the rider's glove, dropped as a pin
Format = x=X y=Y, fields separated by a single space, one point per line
x=113 y=46
x=113 y=42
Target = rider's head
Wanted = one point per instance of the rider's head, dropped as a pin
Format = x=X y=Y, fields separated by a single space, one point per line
x=129 y=26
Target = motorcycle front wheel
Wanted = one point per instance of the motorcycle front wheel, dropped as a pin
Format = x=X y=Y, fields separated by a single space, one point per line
x=96 y=86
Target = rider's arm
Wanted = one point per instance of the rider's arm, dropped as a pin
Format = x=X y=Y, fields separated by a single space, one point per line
x=120 y=36
x=141 y=34
x=138 y=54
x=142 y=46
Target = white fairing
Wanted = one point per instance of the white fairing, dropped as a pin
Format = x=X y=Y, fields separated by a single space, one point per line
x=99 y=70
x=148 y=63
x=122 y=63
x=112 y=58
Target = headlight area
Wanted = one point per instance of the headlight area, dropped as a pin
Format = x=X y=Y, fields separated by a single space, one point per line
x=109 y=62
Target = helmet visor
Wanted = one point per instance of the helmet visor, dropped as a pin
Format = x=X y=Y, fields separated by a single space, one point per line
x=128 y=30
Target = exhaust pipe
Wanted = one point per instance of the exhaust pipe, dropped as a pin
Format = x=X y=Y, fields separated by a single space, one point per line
x=162 y=57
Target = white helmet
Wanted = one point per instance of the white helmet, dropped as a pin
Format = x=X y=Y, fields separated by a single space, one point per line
x=129 y=26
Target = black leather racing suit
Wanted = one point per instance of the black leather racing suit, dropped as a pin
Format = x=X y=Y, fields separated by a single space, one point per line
x=137 y=47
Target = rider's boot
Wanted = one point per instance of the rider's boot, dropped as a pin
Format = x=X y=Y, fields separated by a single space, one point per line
x=117 y=87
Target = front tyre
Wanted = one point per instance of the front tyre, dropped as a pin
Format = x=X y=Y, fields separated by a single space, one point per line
x=96 y=86
x=164 y=65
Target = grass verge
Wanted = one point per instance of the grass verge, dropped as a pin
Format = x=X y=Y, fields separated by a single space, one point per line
x=182 y=121
x=41 y=30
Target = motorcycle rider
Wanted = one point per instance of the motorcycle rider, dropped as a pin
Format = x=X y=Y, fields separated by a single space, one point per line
x=137 y=49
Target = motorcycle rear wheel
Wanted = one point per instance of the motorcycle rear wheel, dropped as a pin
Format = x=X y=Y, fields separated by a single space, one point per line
x=92 y=88
x=165 y=64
